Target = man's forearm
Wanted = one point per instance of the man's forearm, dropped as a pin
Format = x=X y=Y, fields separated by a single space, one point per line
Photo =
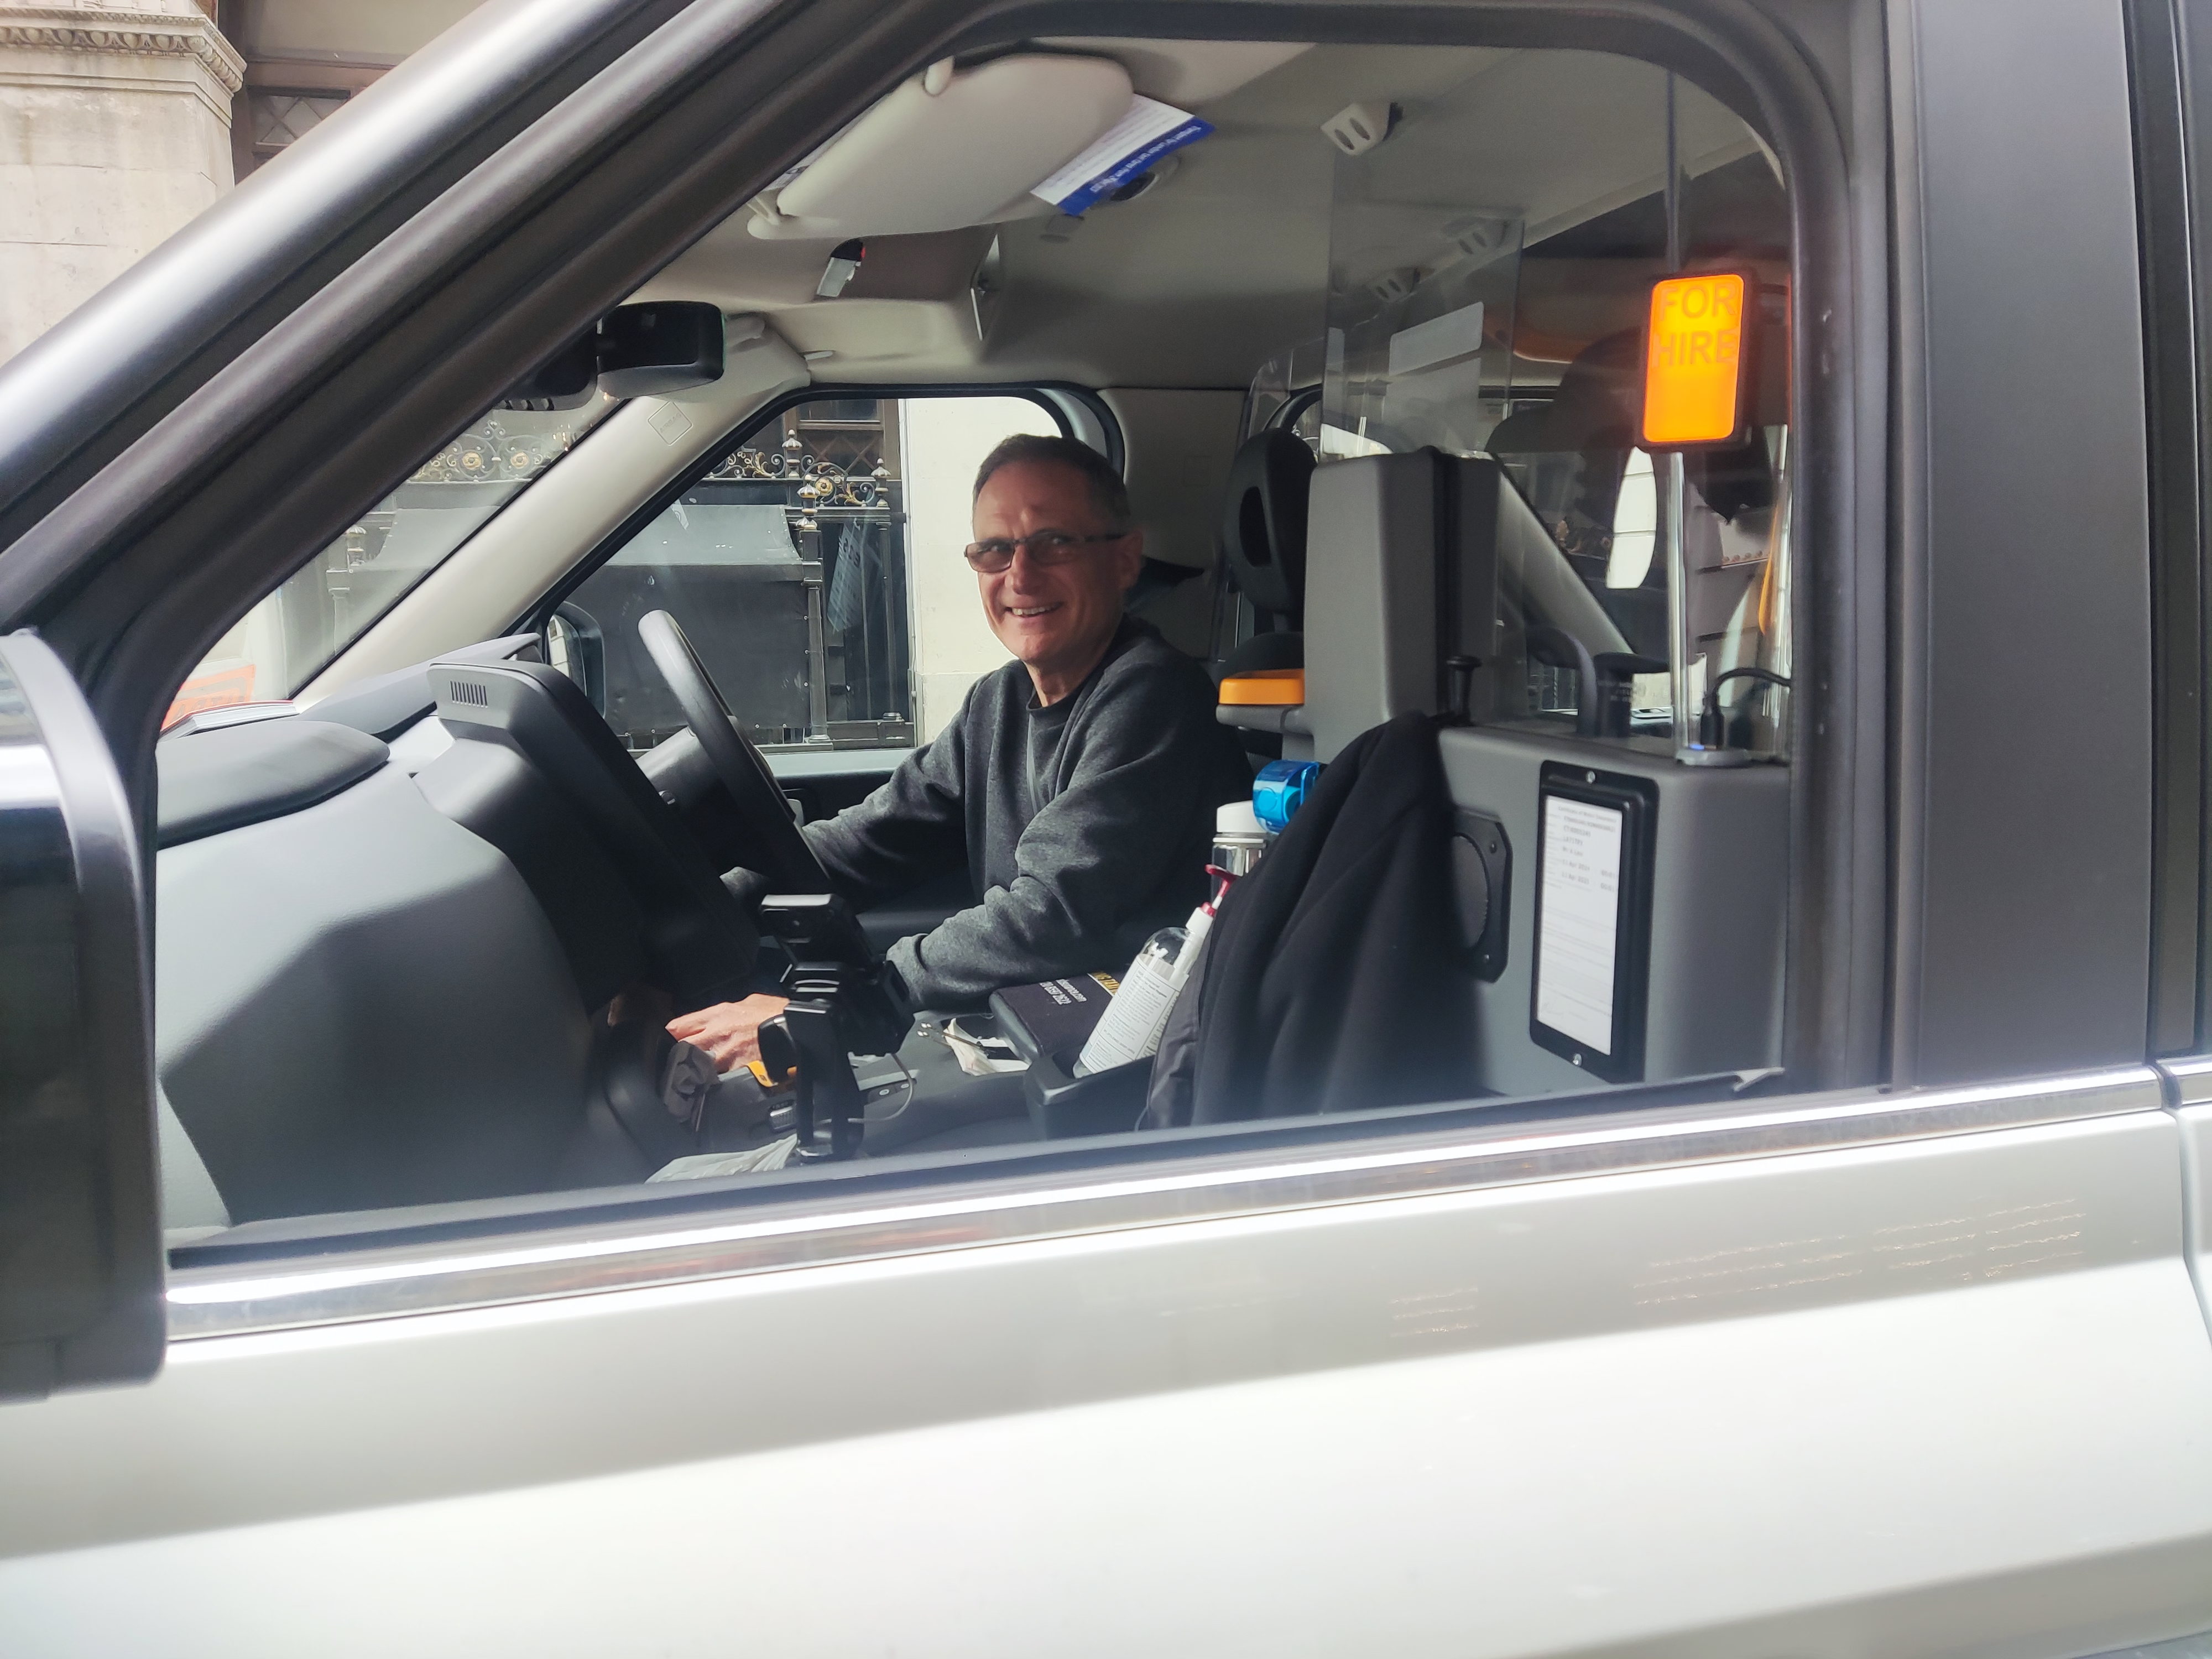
x=906 y=832
x=1002 y=941
x=1017 y=936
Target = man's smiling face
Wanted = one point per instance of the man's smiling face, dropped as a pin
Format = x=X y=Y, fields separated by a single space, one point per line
x=1058 y=618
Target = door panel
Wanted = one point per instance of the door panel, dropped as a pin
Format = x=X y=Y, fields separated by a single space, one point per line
x=2196 y=1181
x=1980 y=989
x=2192 y=1081
x=1935 y=1394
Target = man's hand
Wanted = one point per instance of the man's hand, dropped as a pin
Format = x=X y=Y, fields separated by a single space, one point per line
x=728 y=1031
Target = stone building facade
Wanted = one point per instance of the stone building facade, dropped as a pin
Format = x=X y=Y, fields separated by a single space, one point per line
x=114 y=130
x=120 y=120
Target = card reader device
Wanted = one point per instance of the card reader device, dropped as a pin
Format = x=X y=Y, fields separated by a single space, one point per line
x=1593 y=957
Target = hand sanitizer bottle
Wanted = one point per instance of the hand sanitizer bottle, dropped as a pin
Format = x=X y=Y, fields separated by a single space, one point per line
x=1130 y=1028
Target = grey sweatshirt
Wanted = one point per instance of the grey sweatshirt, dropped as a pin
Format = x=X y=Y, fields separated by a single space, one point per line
x=1085 y=826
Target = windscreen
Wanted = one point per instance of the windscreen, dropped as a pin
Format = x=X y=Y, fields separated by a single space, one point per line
x=284 y=642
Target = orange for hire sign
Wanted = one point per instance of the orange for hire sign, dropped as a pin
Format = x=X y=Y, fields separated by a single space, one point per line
x=1693 y=360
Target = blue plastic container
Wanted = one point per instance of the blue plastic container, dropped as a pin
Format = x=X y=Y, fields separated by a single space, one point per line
x=1281 y=788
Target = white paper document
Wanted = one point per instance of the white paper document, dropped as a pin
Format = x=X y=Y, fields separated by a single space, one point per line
x=1580 y=906
x=1132 y=145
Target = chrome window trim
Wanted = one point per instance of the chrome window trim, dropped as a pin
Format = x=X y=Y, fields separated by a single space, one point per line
x=2189 y=1093
x=553 y=1263
x=2198 y=1646
x=2190 y=1078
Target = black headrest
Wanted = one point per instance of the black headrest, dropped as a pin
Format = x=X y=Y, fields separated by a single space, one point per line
x=1593 y=414
x=1263 y=522
x=1594 y=408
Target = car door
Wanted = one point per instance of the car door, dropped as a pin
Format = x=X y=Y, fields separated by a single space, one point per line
x=1897 y=1351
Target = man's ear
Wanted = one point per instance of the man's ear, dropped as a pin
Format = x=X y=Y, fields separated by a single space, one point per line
x=1129 y=558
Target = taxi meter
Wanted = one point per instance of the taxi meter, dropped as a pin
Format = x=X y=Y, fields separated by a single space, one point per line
x=1695 y=355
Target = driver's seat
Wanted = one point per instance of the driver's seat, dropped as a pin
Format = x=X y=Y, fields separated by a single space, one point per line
x=1263 y=543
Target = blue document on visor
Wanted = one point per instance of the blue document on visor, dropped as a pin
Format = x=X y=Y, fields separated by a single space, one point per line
x=1131 y=147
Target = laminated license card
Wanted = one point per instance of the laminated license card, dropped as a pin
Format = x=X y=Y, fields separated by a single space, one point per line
x=1133 y=146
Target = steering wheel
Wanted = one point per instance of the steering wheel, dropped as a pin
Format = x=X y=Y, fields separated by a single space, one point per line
x=774 y=847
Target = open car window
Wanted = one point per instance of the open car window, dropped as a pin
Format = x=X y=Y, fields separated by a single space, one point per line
x=1487 y=539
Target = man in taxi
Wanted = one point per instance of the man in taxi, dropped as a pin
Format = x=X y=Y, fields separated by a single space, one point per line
x=1078 y=783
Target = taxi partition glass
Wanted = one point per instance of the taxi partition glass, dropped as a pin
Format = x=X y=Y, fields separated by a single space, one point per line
x=1482 y=303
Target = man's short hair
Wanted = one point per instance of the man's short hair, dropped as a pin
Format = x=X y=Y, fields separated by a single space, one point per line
x=1108 y=493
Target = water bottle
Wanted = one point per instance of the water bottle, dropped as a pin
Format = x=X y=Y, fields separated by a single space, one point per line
x=1239 y=839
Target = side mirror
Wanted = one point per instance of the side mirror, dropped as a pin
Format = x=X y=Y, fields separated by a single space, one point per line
x=575 y=645
x=81 y=1264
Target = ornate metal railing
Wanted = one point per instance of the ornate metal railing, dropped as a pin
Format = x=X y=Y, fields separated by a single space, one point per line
x=822 y=483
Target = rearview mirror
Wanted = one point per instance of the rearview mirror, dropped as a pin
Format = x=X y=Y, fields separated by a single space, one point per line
x=649 y=351
x=80 y=1267
x=575 y=645
x=568 y=380
x=636 y=351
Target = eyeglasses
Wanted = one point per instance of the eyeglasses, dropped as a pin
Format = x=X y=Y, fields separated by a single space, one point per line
x=1047 y=547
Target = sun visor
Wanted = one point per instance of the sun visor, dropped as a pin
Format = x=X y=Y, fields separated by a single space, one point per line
x=922 y=161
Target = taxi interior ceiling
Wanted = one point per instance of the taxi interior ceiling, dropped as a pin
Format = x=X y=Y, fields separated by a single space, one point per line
x=1224 y=256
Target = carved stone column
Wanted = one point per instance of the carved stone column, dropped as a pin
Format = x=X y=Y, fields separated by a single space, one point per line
x=114 y=131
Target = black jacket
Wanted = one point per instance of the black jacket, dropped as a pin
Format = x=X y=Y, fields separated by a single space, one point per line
x=1336 y=979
